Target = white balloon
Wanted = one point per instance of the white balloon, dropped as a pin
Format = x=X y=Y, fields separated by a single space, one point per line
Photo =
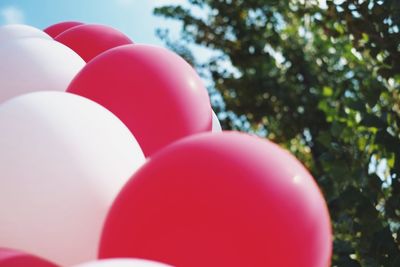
x=216 y=126
x=16 y=31
x=36 y=64
x=63 y=159
x=123 y=263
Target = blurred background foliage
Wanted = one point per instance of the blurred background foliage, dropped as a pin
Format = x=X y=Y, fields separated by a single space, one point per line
x=321 y=78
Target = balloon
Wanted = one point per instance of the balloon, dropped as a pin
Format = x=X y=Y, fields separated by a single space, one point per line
x=13 y=258
x=225 y=199
x=63 y=159
x=90 y=40
x=59 y=28
x=36 y=64
x=123 y=263
x=16 y=31
x=216 y=126
x=152 y=90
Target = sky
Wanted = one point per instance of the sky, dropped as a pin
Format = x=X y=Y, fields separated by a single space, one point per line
x=132 y=17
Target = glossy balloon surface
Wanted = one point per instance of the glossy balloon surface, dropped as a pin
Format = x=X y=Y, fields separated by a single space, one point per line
x=90 y=40
x=153 y=91
x=123 y=263
x=224 y=199
x=63 y=159
x=13 y=258
x=58 y=28
x=36 y=64
x=17 y=31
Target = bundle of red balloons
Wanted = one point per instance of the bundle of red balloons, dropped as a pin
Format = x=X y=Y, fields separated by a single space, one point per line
x=111 y=155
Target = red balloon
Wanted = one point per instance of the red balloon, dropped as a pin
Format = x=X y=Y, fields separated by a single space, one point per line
x=90 y=40
x=13 y=258
x=152 y=90
x=221 y=199
x=56 y=29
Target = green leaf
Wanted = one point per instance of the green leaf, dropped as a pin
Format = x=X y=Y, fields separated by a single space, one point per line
x=327 y=91
x=372 y=95
x=348 y=262
x=337 y=128
x=325 y=139
x=370 y=120
x=358 y=105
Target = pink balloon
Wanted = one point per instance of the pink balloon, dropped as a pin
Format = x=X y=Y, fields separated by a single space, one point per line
x=90 y=40
x=13 y=258
x=152 y=90
x=58 y=28
x=221 y=199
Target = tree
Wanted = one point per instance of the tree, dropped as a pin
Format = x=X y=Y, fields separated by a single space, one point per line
x=323 y=81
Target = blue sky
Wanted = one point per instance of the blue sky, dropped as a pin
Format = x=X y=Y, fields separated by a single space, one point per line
x=132 y=17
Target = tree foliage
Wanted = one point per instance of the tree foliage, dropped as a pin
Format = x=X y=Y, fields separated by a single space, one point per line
x=323 y=81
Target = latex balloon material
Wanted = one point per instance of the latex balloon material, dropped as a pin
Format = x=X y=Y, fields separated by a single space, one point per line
x=152 y=90
x=13 y=258
x=63 y=159
x=90 y=40
x=36 y=64
x=225 y=199
x=58 y=28
x=123 y=263
x=16 y=31
x=216 y=126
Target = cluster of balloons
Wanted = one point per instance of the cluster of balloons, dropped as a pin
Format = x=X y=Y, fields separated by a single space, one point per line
x=111 y=155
